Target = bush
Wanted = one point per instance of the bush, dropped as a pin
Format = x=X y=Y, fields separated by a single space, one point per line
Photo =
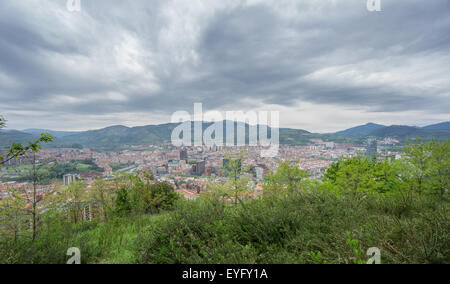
x=311 y=227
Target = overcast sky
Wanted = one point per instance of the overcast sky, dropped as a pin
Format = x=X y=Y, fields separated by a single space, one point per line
x=326 y=65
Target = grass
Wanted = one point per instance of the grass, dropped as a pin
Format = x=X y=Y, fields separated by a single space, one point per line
x=309 y=227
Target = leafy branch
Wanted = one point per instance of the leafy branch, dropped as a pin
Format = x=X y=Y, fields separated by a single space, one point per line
x=17 y=150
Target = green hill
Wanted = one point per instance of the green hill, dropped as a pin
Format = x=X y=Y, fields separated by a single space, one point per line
x=405 y=132
x=362 y=130
x=7 y=137
x=117 y=137
x=439 y=126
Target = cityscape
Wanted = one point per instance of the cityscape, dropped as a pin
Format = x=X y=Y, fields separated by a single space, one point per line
x=224 y=140
x=190 y=169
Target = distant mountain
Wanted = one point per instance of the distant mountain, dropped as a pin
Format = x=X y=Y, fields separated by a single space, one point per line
x=109 y=138
x=401 y=131
x=439 y=126
x=56 y=134
x=440 y=131
x=7 y=137
x=290 y=136
x=154 y=134
x=121 y=135
x=116 y=137
x=398 y=130
x=362 y=130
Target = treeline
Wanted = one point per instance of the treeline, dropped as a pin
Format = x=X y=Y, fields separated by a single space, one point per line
x=46 y=172
x=424 y=168
x=399 y=206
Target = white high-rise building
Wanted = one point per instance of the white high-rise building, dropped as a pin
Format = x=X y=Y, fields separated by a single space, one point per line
x=70 y=178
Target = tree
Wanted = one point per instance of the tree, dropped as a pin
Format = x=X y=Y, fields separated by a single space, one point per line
x=137 y=194
x=17 y=149
x=237 y=184
x=2 y=122
x=102 y=197
x=35 y=201
x=440 y=167
x=142 y=187
x=148 y=176
x=285 y=180
x=387 y=176
x=162 y=197
x=331 y=174
x=75 y=197
x=13 y=215
x=428 y=167
x=123 y=205
x=356 y=175
x=418 y=156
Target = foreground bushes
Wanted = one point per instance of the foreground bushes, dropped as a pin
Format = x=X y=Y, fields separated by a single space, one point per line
x=110 y=242
x=313 y=226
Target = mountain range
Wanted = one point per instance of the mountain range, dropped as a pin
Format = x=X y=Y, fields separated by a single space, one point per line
x=57 y=134
x=439 y=130
x=361 y=130
x=115 y=137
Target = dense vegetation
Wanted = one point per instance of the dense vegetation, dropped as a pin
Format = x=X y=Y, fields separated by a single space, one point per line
x=399 y=206
x=48 y=172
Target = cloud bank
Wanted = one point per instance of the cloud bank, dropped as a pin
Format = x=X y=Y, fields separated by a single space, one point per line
x=326 y=65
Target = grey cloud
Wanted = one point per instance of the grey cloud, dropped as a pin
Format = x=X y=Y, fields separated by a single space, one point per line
x=159 y=57
x=266 y=58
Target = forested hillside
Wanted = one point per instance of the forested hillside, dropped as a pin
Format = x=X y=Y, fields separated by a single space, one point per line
x=119 y=137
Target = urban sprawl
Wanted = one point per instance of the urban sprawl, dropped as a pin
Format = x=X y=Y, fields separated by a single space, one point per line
x=189 y=170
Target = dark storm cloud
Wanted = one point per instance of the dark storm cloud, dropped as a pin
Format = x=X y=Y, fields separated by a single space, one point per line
x=261 y=54
x=161 y=56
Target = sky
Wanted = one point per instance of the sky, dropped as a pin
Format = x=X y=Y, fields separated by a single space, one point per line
x=325 y=65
